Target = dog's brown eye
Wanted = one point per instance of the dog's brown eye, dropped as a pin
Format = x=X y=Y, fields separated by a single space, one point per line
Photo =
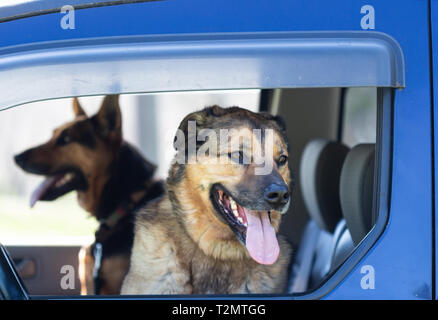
x=282 y=160
x=63 y=140
x=236 y=157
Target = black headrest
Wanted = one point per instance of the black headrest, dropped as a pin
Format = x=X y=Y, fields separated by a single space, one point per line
x=320 y=169
x=356 y=190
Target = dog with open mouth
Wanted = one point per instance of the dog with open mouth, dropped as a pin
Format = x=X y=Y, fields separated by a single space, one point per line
x=112 y=179
x=215 y=229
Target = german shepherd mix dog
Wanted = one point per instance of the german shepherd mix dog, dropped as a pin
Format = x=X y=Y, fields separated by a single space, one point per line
x=112 y=180
x=214 y=230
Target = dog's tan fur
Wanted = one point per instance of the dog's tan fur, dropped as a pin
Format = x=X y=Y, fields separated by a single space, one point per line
x=181 y=246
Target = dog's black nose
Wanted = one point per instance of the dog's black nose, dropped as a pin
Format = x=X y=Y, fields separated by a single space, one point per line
x=277 y=194
x=20 y=159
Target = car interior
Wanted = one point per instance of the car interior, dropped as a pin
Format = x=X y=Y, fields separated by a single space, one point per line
x=332 y=134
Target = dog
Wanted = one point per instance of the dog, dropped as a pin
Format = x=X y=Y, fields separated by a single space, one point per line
x=214 y=230
x=112 y=179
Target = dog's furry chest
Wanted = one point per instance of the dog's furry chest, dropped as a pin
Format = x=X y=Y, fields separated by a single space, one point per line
x=170 y=274
x=166 y=261
x=235 y=277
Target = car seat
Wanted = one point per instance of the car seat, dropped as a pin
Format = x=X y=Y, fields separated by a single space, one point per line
x=322 y=251
x=356 y=191
x=320 y=169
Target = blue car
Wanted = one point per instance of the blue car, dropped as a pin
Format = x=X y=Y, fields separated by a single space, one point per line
x=354 y=80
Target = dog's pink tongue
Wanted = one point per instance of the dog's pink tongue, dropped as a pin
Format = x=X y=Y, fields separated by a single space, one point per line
x=39 y=192
x=261 y=240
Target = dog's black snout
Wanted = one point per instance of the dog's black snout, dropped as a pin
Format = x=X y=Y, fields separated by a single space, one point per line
x=21 y=159
x=277 y=194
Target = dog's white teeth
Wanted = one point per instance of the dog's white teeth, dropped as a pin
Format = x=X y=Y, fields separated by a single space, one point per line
x=236 y=214
x=245 y=224
x=64 y=180
x=233 y=204
x=240 y=219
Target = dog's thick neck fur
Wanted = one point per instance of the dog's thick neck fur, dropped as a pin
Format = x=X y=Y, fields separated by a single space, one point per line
x=128 y=173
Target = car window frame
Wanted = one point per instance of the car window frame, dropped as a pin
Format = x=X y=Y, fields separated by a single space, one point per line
x=383 y=170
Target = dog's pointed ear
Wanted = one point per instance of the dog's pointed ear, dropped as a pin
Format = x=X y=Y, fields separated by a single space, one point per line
x=109 y=117
x=77 y=109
